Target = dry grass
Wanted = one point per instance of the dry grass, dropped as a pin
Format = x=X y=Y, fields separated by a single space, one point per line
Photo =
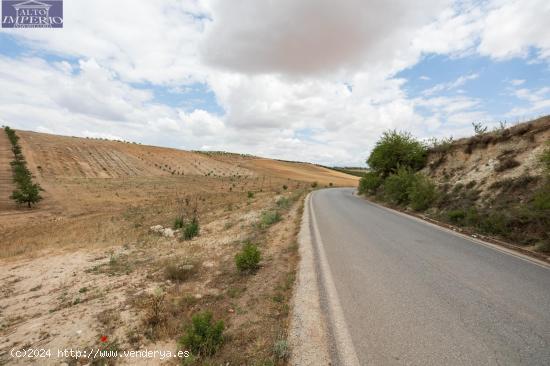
x=84 y=263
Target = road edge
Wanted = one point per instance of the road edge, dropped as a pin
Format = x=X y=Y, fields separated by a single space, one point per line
x=308 y=335
x=313 y=334
x=511 y=250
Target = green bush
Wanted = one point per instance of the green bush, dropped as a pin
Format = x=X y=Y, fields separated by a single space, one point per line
x=494 y=223
x=541 y=198
x=281 y=349
x=456 y=216
x=28 y=193
x=283 y=203
x=396 y=186
x=369 y=183
x=285 y=187
x=203 y=337
x=269 y=218
x=422 y=193
x=250 y=194
x=314 y=184
x=394 y=150
x=178 y=223
x=191 y=229
x=248 y=259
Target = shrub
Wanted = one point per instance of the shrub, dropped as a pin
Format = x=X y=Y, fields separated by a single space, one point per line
x=269 y=218
x=330 y=184
x=283 y=203
x=396 y=186
x=285 y=187
x=203 y=337
x=369 y=183
x=541 y=198
x=191 y=229
x=281 y=349
x=248 y=259
x=506 y=164
x=28 y=193
x=314 y=184
x=250 y=194
x=493 y=223
x=394 y=150
x=479 y=128
x=178 y=223
x=422 y=193
x=456 y=216
x=179 y=272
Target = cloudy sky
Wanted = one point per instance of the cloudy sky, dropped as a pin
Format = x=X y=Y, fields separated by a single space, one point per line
x=309 y=80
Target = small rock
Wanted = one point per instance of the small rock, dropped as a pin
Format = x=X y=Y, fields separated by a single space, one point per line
x=169 y=233
x=157 y=228
x=198 y=296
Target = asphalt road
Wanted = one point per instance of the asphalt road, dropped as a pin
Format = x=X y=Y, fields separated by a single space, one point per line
x=413 y=294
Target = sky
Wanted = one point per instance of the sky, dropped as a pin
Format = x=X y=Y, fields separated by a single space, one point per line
x=308 y=80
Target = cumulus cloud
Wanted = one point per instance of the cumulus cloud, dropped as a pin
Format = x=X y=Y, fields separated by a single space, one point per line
x=154 y=41
x=311 y=80
x=312 y=36
x=511 y=28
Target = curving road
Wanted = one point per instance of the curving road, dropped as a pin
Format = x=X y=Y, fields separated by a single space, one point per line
x=414 y=294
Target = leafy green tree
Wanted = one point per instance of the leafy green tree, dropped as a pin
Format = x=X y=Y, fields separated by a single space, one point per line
x=369 y=183
x=397 y=186
x=203 y=337
x=422 y=193
x=397 y=149
x=28 y=193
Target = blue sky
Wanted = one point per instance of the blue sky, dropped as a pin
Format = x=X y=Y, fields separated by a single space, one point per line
x=266 y=79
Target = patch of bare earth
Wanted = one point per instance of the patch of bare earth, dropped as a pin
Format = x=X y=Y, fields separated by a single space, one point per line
x=68 y=299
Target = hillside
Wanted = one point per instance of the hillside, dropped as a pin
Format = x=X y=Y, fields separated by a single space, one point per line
x=496 y=183
x=79 y=173
x=484 y=162
x=91 y=249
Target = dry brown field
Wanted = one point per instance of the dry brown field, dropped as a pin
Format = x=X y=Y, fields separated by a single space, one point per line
x=84 y=263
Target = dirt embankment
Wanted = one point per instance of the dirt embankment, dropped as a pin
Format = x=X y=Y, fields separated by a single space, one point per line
x=496 y=183
x=492 y=157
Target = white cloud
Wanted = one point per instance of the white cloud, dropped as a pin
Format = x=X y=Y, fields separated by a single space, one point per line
x=460 y=81
x=309 y=80
x=517 y=82
x=314 y=36
x=154 y=41
x=512 y=27
x=537 y=101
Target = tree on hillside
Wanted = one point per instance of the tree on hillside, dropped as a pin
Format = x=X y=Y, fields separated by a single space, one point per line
x=397 y=149
x=28 y=193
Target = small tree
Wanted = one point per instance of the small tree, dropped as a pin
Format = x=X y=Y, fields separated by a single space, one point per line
x=248 y=259
x=191 y=229
x=397 y=149
x=28 y=193
x=369 y=183
x=422 y=193
x=479 y=128
x=396 y=186
x=203 y=337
